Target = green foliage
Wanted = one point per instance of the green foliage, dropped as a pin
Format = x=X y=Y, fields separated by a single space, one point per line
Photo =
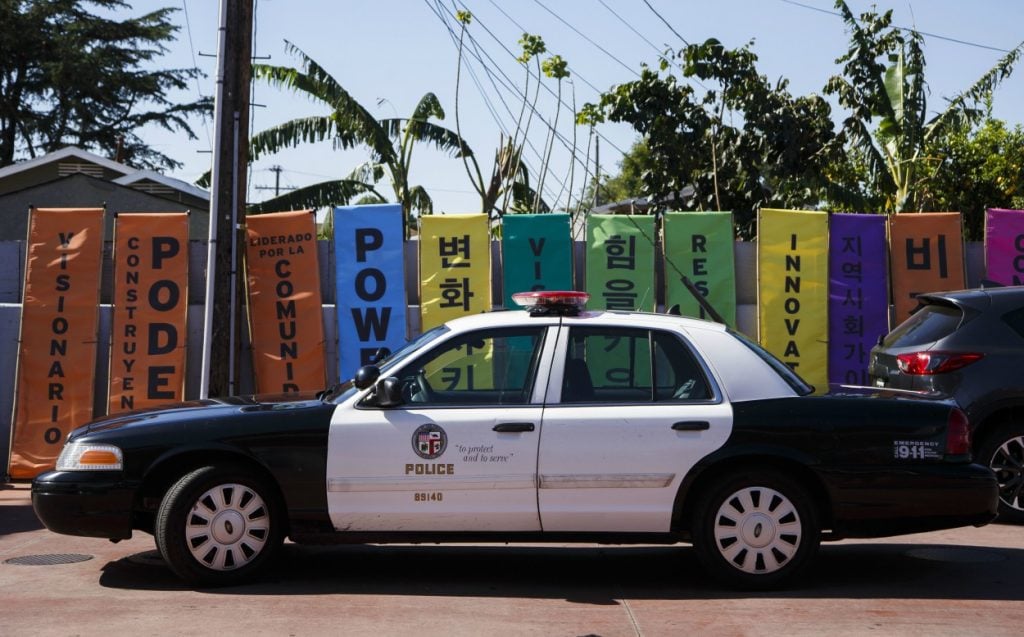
x=741 y=144
x=70 y=77
x=628 y=183
x=348 y=124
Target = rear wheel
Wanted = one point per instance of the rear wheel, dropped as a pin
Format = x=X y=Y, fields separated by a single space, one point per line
x=756 y=530
x=1003 y=452
x=218 y=526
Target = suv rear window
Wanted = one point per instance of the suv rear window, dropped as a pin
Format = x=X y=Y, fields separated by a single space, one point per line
x=927 y=325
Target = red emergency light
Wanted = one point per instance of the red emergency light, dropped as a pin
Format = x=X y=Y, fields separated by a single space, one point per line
x=544 y=302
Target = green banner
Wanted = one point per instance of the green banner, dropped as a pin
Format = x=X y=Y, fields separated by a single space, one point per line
x=700 y=246
x=536 y=253
x=620 y=262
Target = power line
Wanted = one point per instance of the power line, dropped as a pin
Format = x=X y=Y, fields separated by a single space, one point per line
x=195 y=65
x=908 y=29
x=579 y=33
x=670 y=27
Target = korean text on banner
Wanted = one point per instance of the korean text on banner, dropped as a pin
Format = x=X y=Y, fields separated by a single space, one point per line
x=700 y=246
x=59 y=321
x=371 y=302
x=285 y=307
x=147 y=346
x=1004 y=246
x=455 y=267
x=536 y=252
x=792 y=290
x=858 y=294
x=620 y=262
x=927 y=256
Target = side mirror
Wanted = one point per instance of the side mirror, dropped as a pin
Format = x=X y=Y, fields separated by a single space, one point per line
x=366 y=376
x=389 y=392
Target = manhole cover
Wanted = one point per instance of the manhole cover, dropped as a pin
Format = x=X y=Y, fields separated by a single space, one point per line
x=956 y=554
x=147 y=558
x=49 y=559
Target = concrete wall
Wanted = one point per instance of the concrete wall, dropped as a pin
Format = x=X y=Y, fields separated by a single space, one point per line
x=12 y=260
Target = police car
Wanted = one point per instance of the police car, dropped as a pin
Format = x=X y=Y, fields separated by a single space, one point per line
x=553 y=424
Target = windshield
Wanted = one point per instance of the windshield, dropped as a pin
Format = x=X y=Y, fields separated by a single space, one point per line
x=798 y=384
x=342 y=391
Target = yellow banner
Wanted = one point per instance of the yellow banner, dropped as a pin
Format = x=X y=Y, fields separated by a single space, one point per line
x=59 y=321
x=147 y=346
x=455 y=267
x=792 y=290
x=285 y=307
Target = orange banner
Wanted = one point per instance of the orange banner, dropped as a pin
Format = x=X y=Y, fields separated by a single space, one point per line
x=59 y=320
x=285 y=310
x=927 y=255
x=147 y=346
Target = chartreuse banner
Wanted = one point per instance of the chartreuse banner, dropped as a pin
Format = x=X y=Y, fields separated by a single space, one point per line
x=792 y=290
x=927 y=256
x=147 y=346
x=700 y=246
x=455 y=280
x=858 y=294
x=371 y=301
x=285 y=308
x=536 y=254
x=59 y=322
x=620 y=262
x=1004 y=246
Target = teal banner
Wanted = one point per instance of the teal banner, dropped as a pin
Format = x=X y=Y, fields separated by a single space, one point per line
x=536 y=254
x=701 y=247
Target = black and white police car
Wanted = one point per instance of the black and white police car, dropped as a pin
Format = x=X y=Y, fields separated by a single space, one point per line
x=552 y=424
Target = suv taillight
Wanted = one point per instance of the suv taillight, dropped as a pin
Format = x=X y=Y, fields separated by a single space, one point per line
x=958 y=433
x=928 y=363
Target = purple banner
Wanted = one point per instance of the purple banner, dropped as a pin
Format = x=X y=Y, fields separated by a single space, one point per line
x=1004 y=246
x=858 y=294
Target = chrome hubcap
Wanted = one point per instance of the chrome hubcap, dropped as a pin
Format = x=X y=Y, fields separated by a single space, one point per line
x=1008 y=465
x=228 y=527
x=757 y=530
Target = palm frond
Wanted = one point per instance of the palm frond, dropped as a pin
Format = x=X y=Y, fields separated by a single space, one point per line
x=321 y=195
x=442 y=138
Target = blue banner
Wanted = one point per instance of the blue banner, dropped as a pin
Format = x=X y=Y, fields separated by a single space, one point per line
x=371 y=301
x=858 y=294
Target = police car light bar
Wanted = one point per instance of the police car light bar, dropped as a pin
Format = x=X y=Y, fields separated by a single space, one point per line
x=548 y=302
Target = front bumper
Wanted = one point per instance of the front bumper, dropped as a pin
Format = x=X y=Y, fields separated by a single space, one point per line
x=91 y=504
x=912 y=499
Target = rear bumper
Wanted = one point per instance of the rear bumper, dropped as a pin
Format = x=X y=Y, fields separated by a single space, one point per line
x=92 y=504
x=879 y=503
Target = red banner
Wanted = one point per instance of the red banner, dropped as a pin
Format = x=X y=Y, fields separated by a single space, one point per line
x=147 y=347
x=927 y=254
x=59 y=321
x=285 y=307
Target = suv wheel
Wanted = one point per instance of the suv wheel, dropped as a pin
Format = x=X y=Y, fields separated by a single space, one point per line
x=1003 y=452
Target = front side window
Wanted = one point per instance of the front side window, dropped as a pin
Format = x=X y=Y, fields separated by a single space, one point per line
x=616 y=365
x=486 y=367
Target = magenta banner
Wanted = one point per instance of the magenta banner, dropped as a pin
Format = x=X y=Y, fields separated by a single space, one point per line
x=1004 y=246
x=858 y=294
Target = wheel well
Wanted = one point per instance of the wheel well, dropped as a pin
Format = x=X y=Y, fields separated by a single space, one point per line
x=688 y=495
x=161 y=477
x=1006 y=415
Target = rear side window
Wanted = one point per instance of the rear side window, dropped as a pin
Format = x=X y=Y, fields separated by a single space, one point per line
x=927 y=325
x=1015 y=320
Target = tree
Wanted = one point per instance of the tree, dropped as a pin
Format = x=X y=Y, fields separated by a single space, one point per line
x=627 y=184
x=70 y=77
x=743 y=144
x=888 y=132
x=347 y=125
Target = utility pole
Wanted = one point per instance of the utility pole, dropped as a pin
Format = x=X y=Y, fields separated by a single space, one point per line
x=227 y=202
x=277 y=170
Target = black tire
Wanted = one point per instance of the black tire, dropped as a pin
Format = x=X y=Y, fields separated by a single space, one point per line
x=1002 y=450
x=219 y=525
x=756 y=530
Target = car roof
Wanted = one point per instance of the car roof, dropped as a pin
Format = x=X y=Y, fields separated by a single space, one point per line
x=978 y=298
x=505 y=318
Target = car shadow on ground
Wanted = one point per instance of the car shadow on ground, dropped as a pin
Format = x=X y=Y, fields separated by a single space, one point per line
x=602 y=575
x=18 y=518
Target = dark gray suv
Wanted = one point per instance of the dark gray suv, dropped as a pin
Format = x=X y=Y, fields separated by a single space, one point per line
x=969 y=345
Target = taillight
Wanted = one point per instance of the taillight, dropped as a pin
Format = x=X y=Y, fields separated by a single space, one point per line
x=958 y=433
x=928 y=363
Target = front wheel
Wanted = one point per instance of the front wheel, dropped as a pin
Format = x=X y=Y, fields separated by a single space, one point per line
x=756 y=531
x=1003 y=452
x=218 y=526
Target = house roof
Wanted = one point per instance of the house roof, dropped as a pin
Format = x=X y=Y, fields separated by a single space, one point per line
x=62 y=154
x=170 y=182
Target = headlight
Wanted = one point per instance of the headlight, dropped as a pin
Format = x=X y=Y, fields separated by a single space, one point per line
x=83 y=456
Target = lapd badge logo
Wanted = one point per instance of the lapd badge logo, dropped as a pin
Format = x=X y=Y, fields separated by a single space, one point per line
x=429 y=441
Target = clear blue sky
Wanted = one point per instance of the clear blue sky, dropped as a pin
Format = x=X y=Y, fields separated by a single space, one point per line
x=388 y=53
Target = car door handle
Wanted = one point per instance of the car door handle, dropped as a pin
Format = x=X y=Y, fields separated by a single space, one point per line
x=513 y=427
x=691 y=425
